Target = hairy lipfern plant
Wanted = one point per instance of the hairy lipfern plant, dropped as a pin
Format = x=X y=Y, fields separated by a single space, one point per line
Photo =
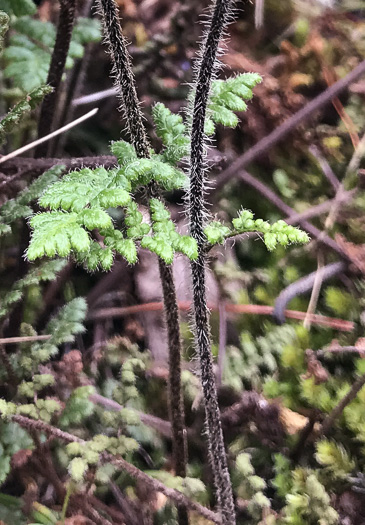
x=76 y=220
x=79 y=224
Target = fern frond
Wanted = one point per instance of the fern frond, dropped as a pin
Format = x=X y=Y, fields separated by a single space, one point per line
x=143 y=171
x=115 y=240
x=62 y=327
x=86 y=31
x=78 y=406
x=29 y=53
x=96 y=257
x=57 y=233
x=216 y=232
x=228 y=96
x=45 y=272
x=124 y=151
x=166 y=240
x=277 y=233
x=133 y=219
x=23 y=107
x=173 y=133
x=18 y=7
x=78 y=189
x=79 y=201
x=273 y=234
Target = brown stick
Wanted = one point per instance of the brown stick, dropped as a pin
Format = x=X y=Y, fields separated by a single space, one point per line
x=325 y=167
x=315 y=211
x=56 y=69
x=23 y=339
x=340 y=350
x=253 y=309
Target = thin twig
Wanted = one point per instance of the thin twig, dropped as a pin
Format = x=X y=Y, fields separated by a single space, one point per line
x=23 y=339
x=48 y=137
x=94 y=97
x=325 y=167
x=252 y=309
x=340 y=350
x=317 y=285
x=259 y=13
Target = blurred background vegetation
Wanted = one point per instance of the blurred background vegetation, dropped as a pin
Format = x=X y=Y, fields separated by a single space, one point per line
x=293 y=407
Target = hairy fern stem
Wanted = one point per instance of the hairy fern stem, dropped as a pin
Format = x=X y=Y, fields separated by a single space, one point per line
x=205 y=75
x=124 y=81
x=56 y=69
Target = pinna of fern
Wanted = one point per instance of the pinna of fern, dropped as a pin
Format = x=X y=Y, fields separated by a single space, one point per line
x=79 y=204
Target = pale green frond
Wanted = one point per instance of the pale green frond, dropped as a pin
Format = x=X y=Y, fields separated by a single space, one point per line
x=56 y=233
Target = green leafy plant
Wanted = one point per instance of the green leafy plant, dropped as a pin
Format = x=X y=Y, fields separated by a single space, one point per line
x=28 y=55
x=79 y=205
x=308 y=501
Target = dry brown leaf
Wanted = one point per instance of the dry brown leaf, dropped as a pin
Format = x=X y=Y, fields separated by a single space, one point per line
x=315 y=368
x=78 y=520
x=300 y=79
x=292 y=421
